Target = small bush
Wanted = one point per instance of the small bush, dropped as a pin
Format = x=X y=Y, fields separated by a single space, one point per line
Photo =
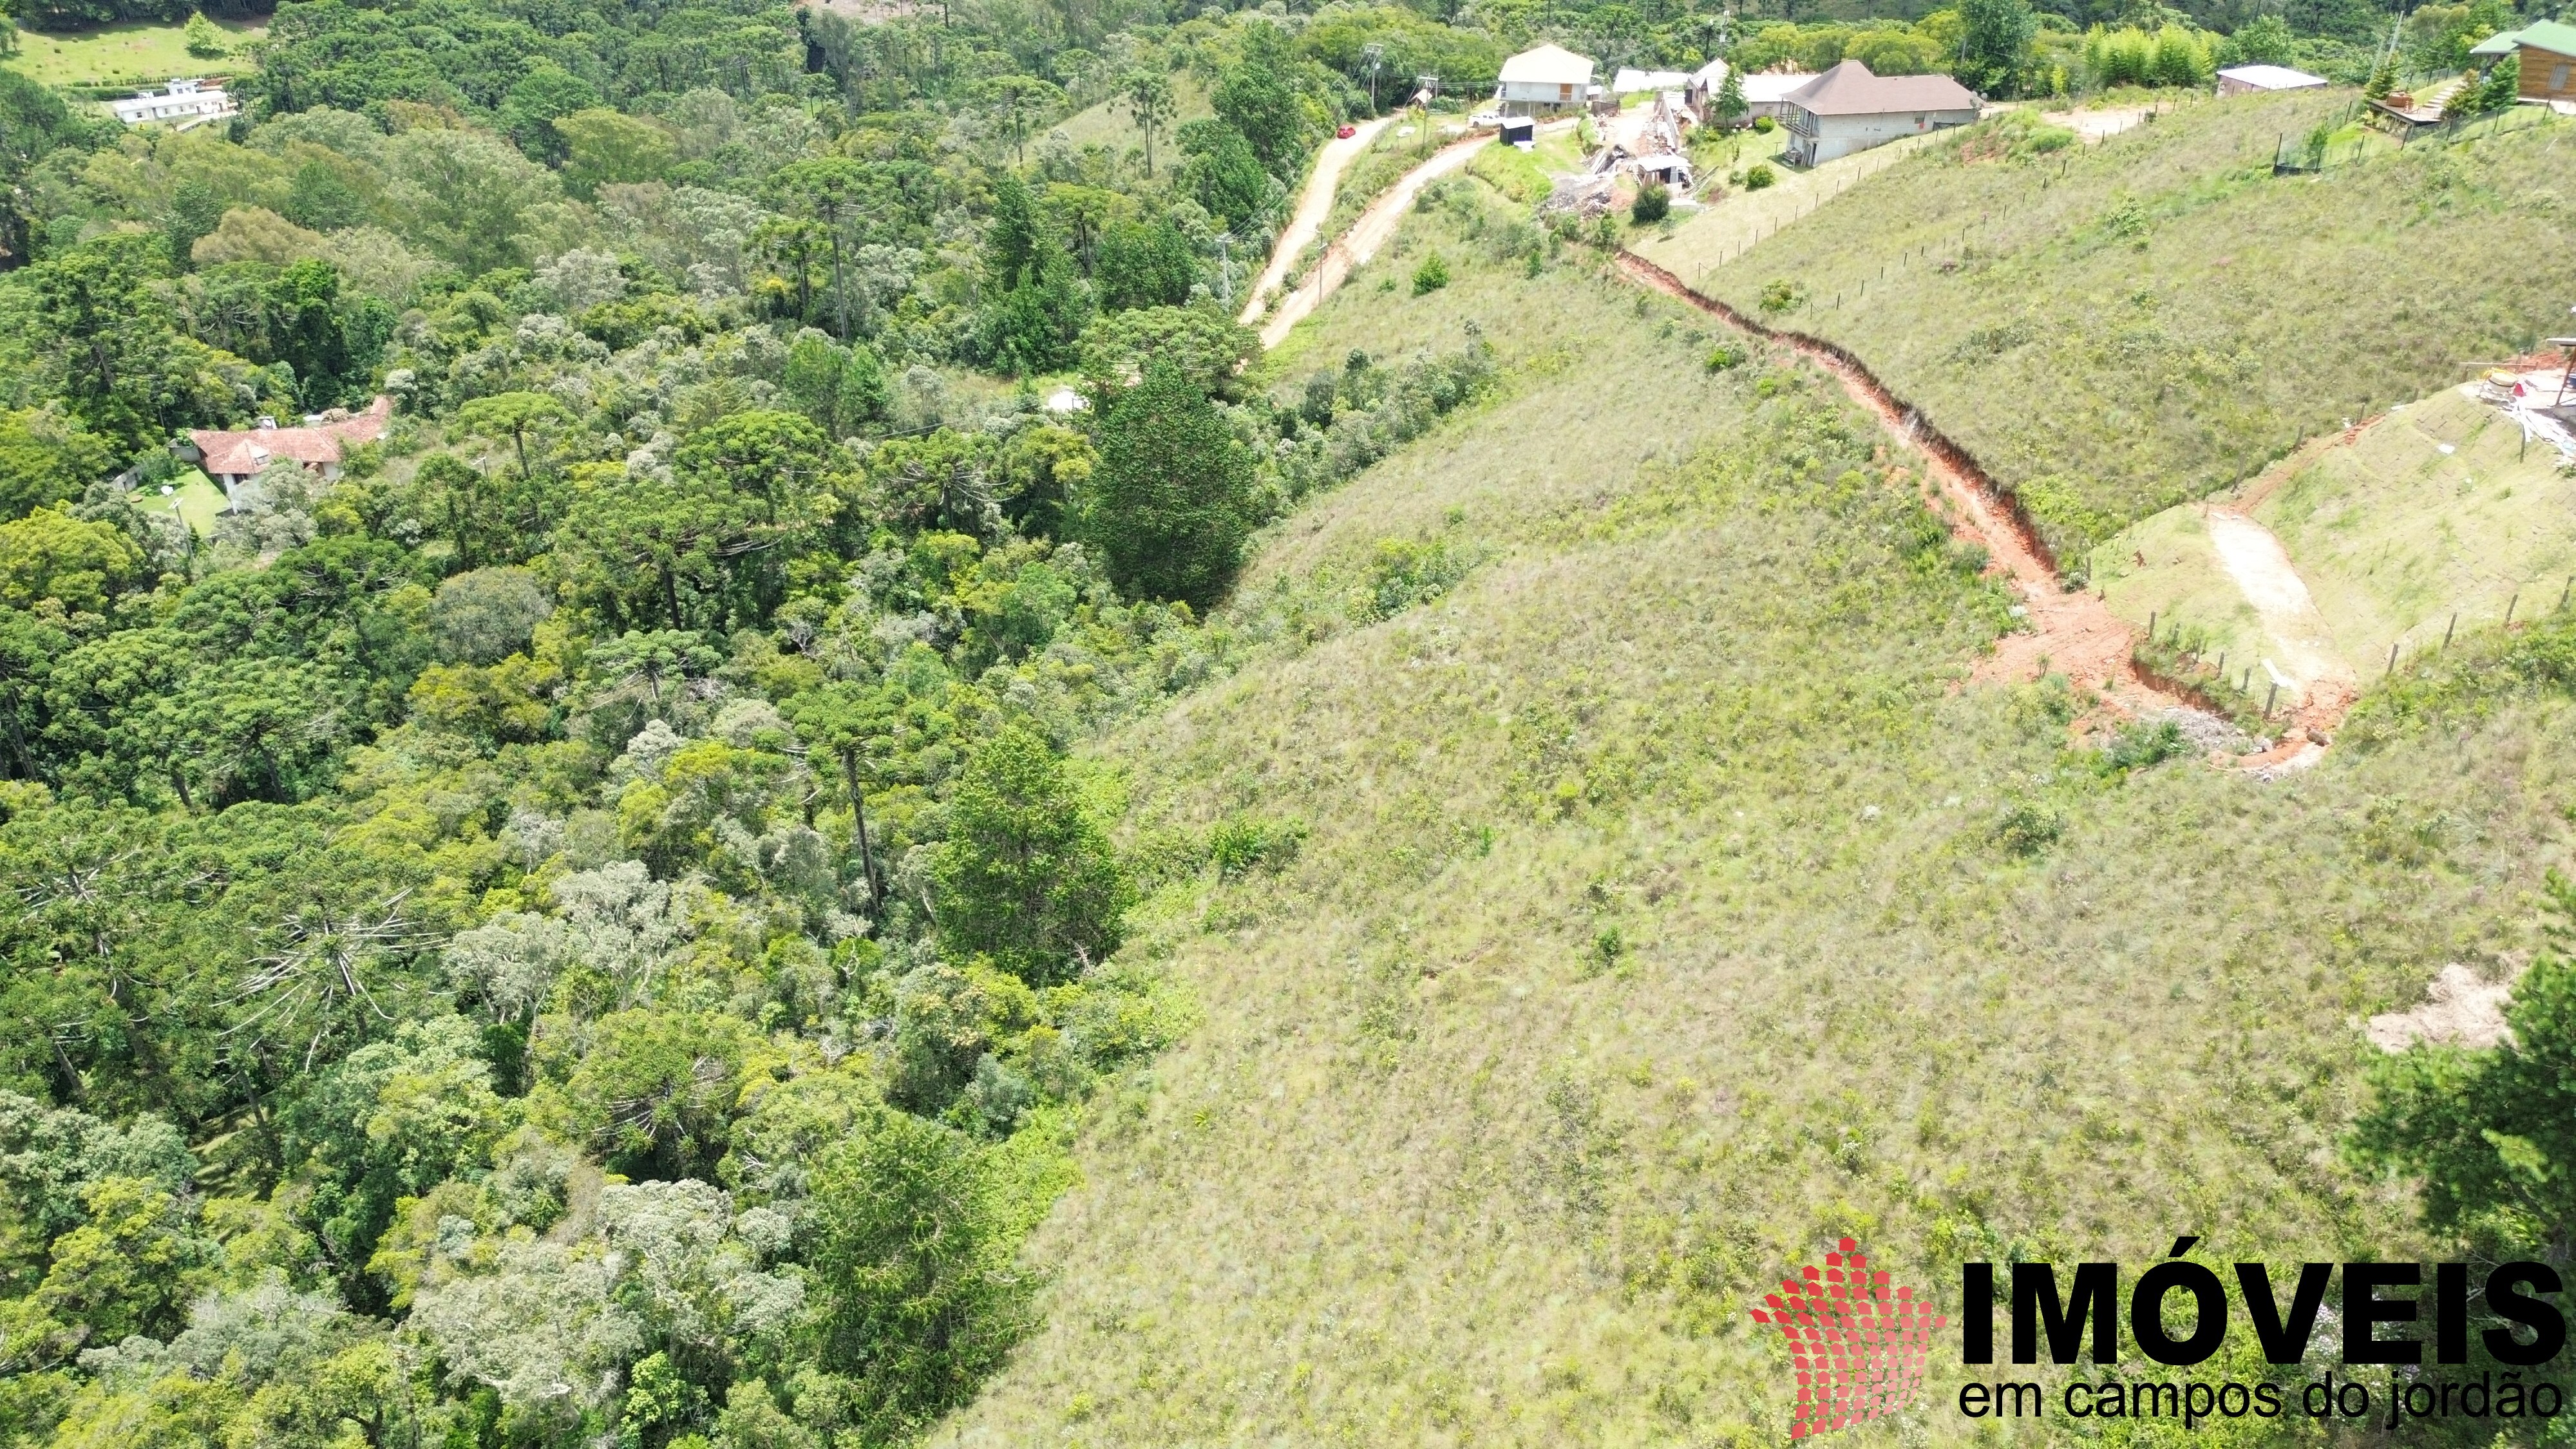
x=1759 y=176
x=1431 y=276
x=1782 y=295
x=2027 y=829
x=1765 y=125
x=1241 y=844
x=1653 y=204
x=1724 y=357
x=2140 y=746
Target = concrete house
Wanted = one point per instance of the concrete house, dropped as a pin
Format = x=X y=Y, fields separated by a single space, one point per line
x=1849 y=109
x=185 y=100
x=2548 y=51
x=1543 y=82
x=234 y=458
x=2241 y=80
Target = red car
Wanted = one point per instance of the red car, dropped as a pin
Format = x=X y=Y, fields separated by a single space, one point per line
x=1347 y=132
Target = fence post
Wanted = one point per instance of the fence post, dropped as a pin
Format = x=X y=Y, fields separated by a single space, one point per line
x=2508 y=607
x=2268 y=699
x=2392 y=660
x=2446 y=632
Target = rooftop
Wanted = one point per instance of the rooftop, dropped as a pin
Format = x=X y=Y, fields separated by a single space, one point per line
x=248 y=451
x=2553 y=36
x=1549 y=65
x=2271 y=77
x=1851 y=89
x=1773 y=86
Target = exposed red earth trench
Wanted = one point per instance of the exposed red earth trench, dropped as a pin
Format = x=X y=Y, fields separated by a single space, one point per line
x=2072 y=633
x=2069 y=632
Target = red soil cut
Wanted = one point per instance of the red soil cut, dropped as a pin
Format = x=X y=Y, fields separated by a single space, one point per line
x=2068 y=633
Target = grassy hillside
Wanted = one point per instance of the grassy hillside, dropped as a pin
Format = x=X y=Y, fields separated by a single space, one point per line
x=1662 y=913
x=2433 y=511
x=2112 y=329
x=1109 y=123
x=136 y=54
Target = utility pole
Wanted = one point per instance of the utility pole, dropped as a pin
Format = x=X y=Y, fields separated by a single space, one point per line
x=1374 y=56
x=1225 y=268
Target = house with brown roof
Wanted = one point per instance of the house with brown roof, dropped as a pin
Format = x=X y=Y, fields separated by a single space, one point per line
x=1849 y=109
x=234 y=458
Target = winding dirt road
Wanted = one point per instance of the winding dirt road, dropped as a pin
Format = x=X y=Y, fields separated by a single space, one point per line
x=1368 y=232
x=1312 y=208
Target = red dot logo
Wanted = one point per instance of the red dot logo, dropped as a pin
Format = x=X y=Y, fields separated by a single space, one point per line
x=1859 y=1341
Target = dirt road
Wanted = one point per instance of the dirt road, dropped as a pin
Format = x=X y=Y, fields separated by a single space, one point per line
x=2072 y=634
x=1312 y=208
x=1375 y=225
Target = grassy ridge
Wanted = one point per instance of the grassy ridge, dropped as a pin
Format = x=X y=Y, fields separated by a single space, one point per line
x=128 y=54
x=2117 y=328
x=1662 y=912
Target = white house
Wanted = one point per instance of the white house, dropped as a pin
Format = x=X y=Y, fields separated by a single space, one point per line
x=2239 y=80
x=1849 y=109
x=1549 y=78
x=185 y=100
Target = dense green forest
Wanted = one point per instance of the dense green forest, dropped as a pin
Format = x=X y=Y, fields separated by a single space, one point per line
x=591 y=921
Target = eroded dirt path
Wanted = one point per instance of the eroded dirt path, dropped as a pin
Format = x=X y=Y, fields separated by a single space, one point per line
x=2302 y=659
x=1312 y=207
x=1369 y=232
x=2073 y=634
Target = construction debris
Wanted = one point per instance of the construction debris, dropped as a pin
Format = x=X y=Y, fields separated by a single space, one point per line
x=2541 y=402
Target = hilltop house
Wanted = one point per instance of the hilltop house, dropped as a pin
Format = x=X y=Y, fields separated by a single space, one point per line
x=185 y=100
x=2548 y=50
x=1542 y=81
x=2239 y=80
x=234 y=458
x=1850 y=109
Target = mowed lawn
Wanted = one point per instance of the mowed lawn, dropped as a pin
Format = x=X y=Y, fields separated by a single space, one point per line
x=2112 y=329
x=127 y=54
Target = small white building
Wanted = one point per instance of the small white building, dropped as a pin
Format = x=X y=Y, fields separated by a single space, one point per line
x=1630 y=81
x=1763 y=94
x=185 y=100
x=1850 y=109
x=2239 y=80
x=1548 y=79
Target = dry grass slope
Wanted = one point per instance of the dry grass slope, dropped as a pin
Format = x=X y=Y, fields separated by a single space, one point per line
x=1664 y=912
x=2113 y=329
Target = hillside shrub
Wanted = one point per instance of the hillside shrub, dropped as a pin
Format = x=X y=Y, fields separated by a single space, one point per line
x=1431 y=276
x=1379 y=409
x=1764 y=125
x=1759 y=176
x=1652 y=205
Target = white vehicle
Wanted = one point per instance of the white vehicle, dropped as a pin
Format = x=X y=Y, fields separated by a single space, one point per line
x=1485 y=118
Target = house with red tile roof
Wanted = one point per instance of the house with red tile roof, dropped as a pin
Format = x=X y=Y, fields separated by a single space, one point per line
x=233 y=458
